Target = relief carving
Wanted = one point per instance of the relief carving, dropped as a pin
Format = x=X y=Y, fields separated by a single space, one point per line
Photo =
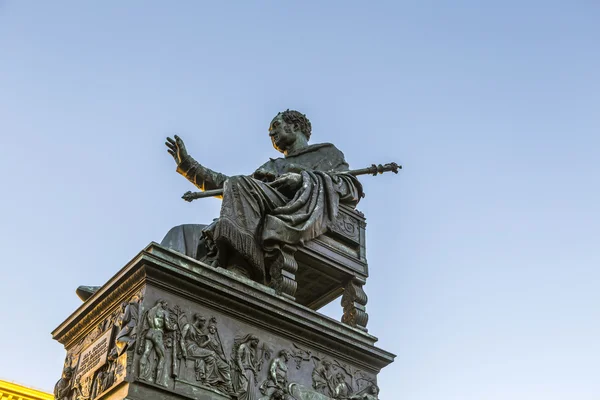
x=331 y=379
x=371 y=392
x=63 y=388
x=347 y=226
x=277 y=378
x=245 y=365
x=97 y=362
x=322 y=377
x=204 y=348
x=191 y=351
x=127 y=322
x=197 y=353
x=156 y=322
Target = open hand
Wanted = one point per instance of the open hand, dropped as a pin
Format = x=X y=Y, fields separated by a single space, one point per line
x=176 y=149
x=288 y=183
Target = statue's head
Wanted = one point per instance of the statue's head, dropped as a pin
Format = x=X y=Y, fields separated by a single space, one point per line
x=67 y=373
x=288 y=127
x=162 y=303
x=199 y=320
x=278 y=394
x=284 y=354
x=374 y=389
x=340 y=377
x=253 y=341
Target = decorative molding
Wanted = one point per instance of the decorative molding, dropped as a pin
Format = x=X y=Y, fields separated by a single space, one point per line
x=88 y=318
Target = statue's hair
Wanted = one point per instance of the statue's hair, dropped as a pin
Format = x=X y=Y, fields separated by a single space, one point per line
x=199 y=317
x=239 y=340
x=299 y=119
x=284 y=352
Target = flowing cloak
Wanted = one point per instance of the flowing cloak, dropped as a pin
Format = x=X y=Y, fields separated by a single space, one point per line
x=256 y=219
x=128 y=323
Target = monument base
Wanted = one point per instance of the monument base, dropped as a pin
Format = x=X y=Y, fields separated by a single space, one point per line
x=169 y=327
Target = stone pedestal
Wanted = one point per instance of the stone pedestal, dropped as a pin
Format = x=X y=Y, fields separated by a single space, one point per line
x=169 y=327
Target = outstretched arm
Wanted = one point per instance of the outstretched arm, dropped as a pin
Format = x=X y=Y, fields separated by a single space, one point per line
x=203 y=178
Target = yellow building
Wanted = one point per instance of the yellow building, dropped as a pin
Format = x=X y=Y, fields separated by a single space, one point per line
x=13 y=391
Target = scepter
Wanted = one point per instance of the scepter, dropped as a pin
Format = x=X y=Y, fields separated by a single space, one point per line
x=372 y=170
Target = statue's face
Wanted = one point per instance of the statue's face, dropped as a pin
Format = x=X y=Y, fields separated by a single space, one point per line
x=282 y=134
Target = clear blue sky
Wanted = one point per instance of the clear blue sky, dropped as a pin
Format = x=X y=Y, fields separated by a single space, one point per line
x=483 y=252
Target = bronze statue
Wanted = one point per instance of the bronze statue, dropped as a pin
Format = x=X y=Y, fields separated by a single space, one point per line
x=287 y=201
x=267 y=216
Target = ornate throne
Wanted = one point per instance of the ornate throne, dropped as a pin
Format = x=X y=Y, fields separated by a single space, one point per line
x=331 y=265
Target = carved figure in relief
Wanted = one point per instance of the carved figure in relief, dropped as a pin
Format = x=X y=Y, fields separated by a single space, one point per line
x=301 y=392
x=323 y=379
x=158 y=321
x=371 y=392
x=215 y=343
x=128 y=321
x=245 y=367
x=106 y=375
x=62 y=389
x=278 y=370
x=341 y=390
x=83 y=388
x=204 y=347
x=278 y=394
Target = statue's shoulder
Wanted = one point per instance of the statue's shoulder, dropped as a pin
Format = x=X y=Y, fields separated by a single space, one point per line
x=320 y=148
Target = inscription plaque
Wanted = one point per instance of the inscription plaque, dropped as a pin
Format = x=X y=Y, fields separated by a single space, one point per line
x=94 y=356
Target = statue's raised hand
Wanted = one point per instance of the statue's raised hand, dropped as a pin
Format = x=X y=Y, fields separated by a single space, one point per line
x=176 y=149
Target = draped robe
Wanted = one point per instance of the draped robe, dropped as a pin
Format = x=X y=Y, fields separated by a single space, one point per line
x=256 y=219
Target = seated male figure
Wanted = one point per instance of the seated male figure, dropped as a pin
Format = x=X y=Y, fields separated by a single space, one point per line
x=288 y=201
